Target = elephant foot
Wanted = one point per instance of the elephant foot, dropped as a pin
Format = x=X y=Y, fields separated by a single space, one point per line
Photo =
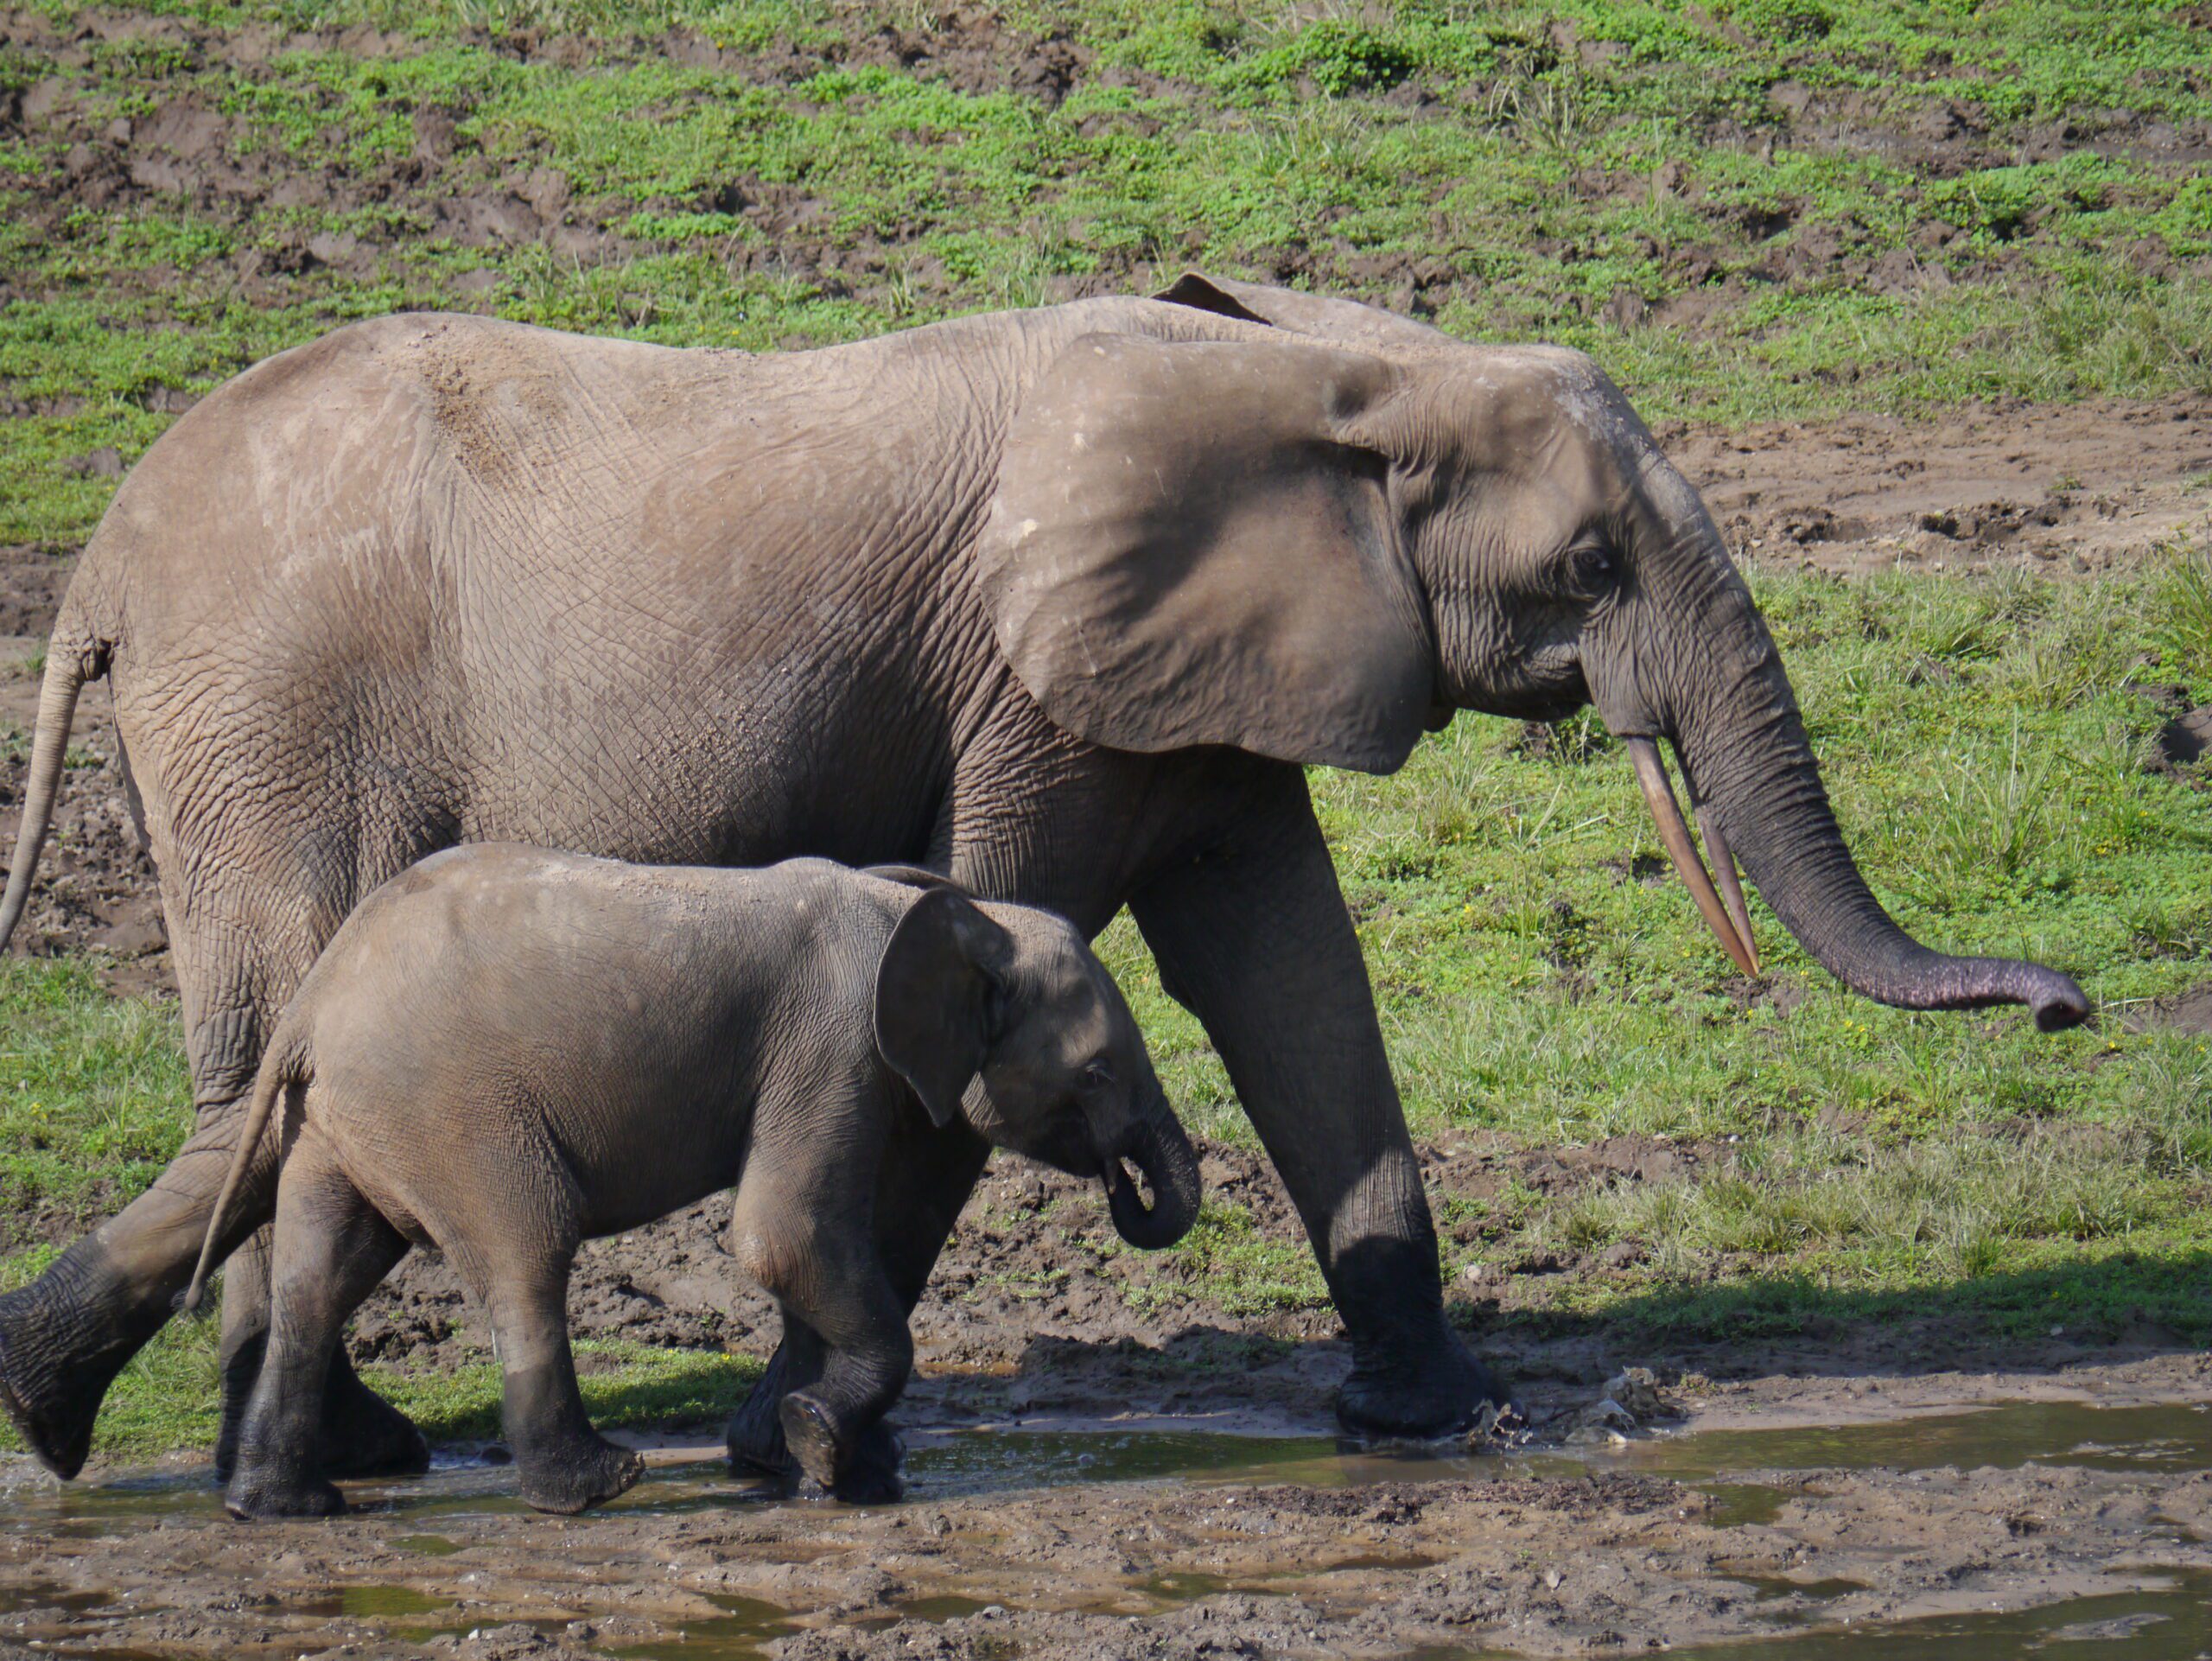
x=362 y=1435
x=579 y=1477
x=755 y=1432
x=255 y=1494
x=52 y=1414
x=810 y=1433
x=861 y=1471
x=871 y=1476
x=1417 y=1391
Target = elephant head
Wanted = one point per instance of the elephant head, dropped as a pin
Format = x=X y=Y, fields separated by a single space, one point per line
x=1002 y=1015
x=1317 y=535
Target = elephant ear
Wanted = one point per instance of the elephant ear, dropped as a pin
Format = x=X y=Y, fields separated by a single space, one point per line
x=1339 y=323
x=939 y=995
x=1190 y=544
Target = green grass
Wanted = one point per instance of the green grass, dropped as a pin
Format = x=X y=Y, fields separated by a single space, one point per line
x=94 y=1098
x=1553 y=158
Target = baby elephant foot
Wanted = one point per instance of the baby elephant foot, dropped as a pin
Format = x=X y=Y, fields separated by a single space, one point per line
x=579 y=1477
x=871 y=1474
x=362 y=1435
x=864 y=1471
x=265 y=1494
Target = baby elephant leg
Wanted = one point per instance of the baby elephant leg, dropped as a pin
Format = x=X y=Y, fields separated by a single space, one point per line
x=868 y=1474
x=563 y=1463
x=332 y=1247
x=831 y=1280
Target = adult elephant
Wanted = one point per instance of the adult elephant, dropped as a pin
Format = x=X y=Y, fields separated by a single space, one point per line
x=1057 y=602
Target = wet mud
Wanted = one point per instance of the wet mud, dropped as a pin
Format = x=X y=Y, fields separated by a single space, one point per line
x=1939 y=1523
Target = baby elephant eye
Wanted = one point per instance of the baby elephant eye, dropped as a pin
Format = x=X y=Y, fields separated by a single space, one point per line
x=1098 y=1075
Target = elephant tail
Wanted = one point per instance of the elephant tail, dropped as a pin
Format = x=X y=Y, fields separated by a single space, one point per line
x=67 y=668
x=285 y=1065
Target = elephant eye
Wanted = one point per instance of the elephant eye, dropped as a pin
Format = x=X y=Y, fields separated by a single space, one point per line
x=1592 y=566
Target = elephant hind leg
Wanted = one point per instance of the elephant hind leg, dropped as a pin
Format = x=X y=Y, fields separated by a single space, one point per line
x=236 y=980
x=564 y=1465
x=65 y=1336
x=332 y=1247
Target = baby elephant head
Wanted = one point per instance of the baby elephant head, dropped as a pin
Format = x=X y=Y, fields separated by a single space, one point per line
x=1002 y=1015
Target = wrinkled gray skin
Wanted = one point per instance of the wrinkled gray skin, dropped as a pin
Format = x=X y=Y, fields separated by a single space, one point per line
x=1055 y=601
x=503 y=1053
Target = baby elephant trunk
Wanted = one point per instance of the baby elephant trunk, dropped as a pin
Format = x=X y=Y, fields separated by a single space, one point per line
x=1168 y=1164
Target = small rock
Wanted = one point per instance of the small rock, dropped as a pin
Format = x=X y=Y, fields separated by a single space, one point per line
x=129 y=939
x=1635 y=1390
x=1496 y=1426
x=1595 y=1435
x=1607 y=1415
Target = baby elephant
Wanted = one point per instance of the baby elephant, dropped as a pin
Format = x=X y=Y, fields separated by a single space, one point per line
x=506 y=1052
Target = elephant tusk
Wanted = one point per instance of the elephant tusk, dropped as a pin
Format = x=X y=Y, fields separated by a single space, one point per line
x=1659 y=796
x=1722 y=861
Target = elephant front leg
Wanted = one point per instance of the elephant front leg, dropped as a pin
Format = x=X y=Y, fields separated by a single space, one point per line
x=795 y=1235
x=1255 y=941
x=924 y=1178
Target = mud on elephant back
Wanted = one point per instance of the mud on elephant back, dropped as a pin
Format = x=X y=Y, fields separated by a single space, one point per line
x=1095 y=583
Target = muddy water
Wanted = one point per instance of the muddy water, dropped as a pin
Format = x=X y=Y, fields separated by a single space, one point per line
x=2170 y=1624
x=1972 y=1532
x=2165 y=1437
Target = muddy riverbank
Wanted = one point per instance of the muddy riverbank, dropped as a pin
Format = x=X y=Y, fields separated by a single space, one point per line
x=1956 y=1513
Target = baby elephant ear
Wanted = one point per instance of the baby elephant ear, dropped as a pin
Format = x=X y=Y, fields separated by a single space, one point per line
x=1193 y=543
x=939 y=990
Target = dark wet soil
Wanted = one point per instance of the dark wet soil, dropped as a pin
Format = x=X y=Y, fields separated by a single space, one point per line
x=1962 y=1531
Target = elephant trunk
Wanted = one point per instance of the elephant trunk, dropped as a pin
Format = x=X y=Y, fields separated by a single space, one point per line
x=1756 y=787
x=1169 y=1165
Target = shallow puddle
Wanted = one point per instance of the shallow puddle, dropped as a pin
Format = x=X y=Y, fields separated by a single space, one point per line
x=427 y=1545
x=2164 y=1439
x=737 y=1634
x=372 y=1603
x=39 y=1595
x=1748 y=1474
